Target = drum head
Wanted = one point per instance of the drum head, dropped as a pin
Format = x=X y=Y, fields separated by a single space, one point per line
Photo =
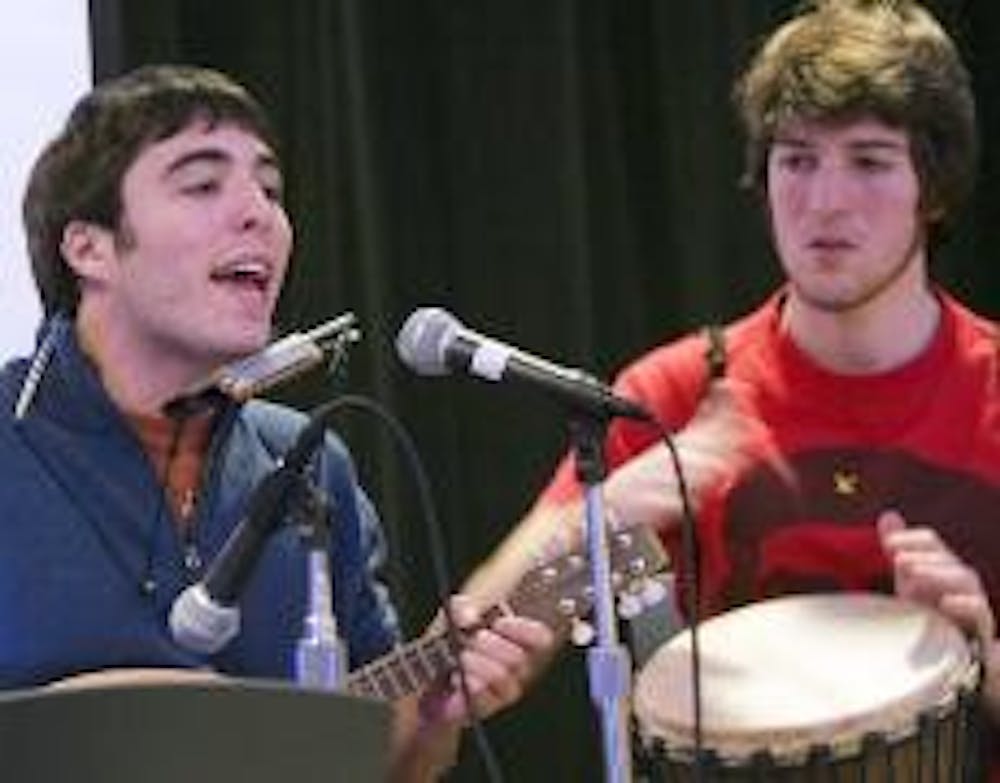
x=790 y=673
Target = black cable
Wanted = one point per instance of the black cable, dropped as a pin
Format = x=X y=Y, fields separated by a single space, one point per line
x=309 y=440
x=691 y=585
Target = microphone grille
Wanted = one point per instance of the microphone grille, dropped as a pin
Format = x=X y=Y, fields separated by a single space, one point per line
x=201 y=625
x=424 y=338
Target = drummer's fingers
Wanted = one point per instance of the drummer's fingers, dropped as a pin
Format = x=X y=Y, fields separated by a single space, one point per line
x=927 y=570
x=957 y=594
x=932 y=561
x=941 y=568
x=972 y=612
x=889 y=522
x=924 y=575
x=929 y=579
x=896 y=536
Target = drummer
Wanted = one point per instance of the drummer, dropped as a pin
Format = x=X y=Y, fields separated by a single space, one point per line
x=854 y=443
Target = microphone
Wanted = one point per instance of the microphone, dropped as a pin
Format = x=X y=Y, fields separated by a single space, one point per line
x=205 y=616
x=434 y=342
x=276 y=363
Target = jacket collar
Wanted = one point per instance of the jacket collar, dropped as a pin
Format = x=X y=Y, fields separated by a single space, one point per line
x=70 y=390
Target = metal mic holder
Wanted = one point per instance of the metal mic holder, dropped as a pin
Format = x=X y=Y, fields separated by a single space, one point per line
x=608 y=661
x=320 y=655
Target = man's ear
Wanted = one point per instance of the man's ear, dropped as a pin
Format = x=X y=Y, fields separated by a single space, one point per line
x=89 y=250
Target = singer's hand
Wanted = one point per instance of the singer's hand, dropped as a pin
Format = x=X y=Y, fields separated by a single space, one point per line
x=498 y=661
x=720 y=440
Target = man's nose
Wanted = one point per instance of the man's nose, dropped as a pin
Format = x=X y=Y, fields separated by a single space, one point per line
x=254 y=207
x=829 y=190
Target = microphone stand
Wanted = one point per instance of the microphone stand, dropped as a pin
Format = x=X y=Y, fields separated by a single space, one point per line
x=608 y=661
x=320 y=653
x=320 y=658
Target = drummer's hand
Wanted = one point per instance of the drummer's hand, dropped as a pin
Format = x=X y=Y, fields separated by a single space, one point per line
x=720 y=440
x=925 y=570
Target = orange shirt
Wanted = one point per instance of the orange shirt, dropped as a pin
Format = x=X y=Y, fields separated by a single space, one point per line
x=177 y=452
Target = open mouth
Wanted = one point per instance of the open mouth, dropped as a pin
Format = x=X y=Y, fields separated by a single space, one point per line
x=251 y=275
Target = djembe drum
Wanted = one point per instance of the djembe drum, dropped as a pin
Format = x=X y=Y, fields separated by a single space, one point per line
x=846 y=688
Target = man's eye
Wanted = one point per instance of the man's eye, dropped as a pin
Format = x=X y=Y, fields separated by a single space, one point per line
x=272 y=184
x=797 y=162
x=872 y=164
x=201 y=187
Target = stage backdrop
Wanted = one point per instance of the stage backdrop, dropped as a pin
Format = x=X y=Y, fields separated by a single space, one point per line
x=559 y=173
x=44 y=66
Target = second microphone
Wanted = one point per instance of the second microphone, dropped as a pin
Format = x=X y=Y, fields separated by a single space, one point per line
x=434 y=342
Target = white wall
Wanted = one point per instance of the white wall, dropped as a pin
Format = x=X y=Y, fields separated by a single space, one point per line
x=44 y=68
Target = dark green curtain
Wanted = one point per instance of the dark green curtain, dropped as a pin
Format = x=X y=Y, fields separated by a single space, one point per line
x=559 y=173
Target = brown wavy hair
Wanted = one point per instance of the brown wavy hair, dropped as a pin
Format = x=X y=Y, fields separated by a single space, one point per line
x=839 y=60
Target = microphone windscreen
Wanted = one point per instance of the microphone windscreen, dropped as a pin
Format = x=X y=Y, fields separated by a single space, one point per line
x=424 y=338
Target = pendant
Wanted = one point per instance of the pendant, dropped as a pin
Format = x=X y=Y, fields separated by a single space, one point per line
x=192 y=559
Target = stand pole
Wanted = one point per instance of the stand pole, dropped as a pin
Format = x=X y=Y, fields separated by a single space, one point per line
x=608 y=663
x=319 y=654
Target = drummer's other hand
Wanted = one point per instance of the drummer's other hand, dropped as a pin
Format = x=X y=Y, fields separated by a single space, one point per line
x=499 y=660
x=719 y=441
x=926 y=571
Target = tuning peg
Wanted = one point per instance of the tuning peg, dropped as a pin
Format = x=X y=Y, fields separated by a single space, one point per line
x=581 y=633
x=567 y=607
x=630 y=605
x=653 y=592
x=623 y=538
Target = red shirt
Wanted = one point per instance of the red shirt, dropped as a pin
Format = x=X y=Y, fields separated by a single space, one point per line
x=923 y=438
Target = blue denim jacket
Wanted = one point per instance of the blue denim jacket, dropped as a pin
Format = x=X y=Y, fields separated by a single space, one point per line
x=83 y=525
